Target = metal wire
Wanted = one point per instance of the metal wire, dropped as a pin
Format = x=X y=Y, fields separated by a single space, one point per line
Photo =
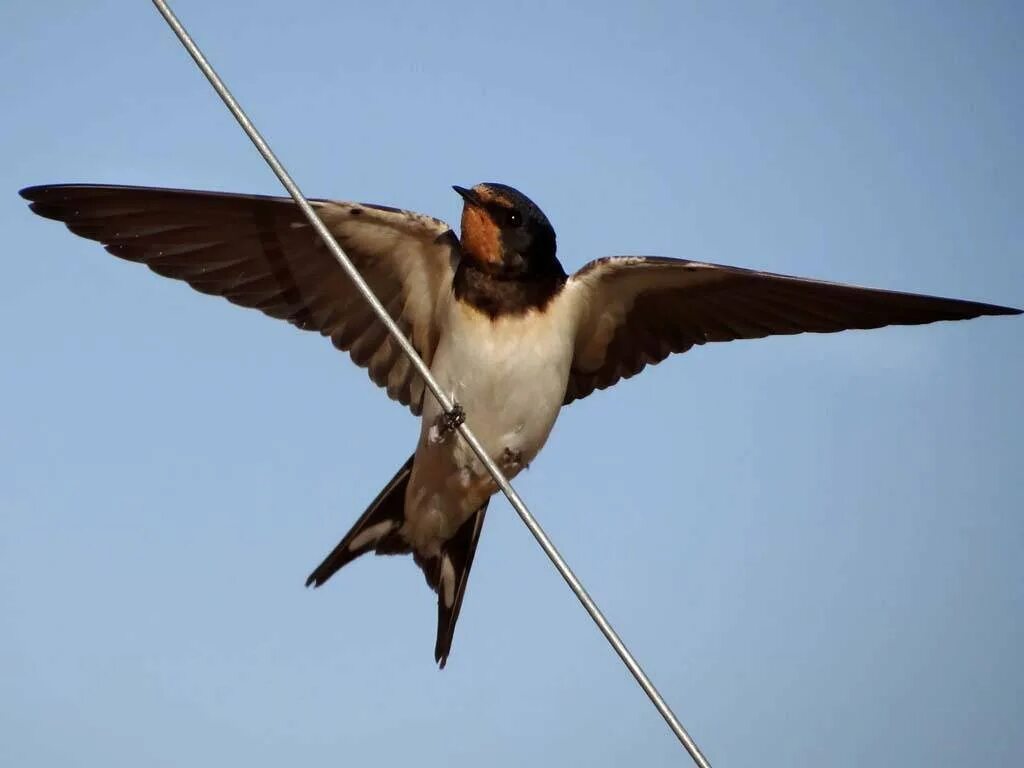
x=517 y=503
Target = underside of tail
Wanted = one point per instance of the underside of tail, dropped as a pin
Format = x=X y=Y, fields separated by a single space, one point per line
x=375 y=531
x=379 y=530
x=447 y=575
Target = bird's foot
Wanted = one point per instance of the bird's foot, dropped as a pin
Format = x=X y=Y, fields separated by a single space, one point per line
x=447 y=423
x=512 y=459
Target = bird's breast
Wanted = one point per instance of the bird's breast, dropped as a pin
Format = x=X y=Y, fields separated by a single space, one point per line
x=509 y=373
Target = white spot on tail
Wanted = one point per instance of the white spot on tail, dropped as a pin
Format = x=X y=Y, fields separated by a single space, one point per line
x=447 y=581
x=371 y=534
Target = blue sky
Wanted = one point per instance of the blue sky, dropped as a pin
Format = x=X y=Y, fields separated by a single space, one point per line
x=813 y=543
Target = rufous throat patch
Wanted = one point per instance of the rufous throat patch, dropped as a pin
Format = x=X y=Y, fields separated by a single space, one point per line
x=481 y=238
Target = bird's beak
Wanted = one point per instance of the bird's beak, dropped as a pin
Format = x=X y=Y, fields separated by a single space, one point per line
x=468 y=195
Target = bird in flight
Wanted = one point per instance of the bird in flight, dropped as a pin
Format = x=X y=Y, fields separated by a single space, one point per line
x=507 y=333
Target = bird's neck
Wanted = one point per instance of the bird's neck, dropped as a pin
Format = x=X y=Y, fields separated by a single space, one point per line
x=508 y=294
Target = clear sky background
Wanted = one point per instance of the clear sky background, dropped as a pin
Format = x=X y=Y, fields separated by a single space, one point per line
x=814 y=544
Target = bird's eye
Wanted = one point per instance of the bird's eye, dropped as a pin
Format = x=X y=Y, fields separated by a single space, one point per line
x=514 y=219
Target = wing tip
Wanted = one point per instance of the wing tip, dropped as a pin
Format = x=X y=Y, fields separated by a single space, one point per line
x=39 y=192
x=47 y=199
x=977 y=309
x=1007 y=311
x=36 y=192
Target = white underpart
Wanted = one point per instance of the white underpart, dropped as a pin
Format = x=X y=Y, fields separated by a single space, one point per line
x=510 y=376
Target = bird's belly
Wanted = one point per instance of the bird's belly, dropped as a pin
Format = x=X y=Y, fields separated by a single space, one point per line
x=509 y=375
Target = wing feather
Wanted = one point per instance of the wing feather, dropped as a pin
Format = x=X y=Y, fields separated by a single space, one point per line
x=635 y=311
x=260 y=252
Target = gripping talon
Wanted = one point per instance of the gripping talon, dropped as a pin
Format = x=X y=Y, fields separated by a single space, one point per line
x=446 y=423
x=512 y=459
x=454 y=419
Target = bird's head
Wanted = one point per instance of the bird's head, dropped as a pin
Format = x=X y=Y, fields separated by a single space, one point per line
x=505 y=234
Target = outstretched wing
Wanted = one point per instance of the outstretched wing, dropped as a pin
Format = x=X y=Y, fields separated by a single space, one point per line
x=260 y=252
x=635 y=311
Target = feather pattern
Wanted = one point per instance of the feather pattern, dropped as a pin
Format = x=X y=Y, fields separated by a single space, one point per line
x=634 y=311
x=260 y=252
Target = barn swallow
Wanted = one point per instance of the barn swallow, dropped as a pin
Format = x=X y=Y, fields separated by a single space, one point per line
x=508 y=334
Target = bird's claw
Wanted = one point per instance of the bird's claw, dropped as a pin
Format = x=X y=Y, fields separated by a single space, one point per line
x=447 y=423
x=454 y=419
x=512 y=459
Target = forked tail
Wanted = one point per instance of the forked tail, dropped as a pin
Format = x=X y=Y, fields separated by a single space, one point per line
x=447 y=575
x=376 y=530
x=379 y=530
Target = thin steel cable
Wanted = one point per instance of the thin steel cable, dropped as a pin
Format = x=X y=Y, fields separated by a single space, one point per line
x=517 y=503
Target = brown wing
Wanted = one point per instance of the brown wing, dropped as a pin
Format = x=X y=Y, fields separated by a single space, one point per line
x=634 y=311
x=260 y=252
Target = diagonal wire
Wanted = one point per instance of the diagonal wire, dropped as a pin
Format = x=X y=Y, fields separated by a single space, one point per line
x=446 y=403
